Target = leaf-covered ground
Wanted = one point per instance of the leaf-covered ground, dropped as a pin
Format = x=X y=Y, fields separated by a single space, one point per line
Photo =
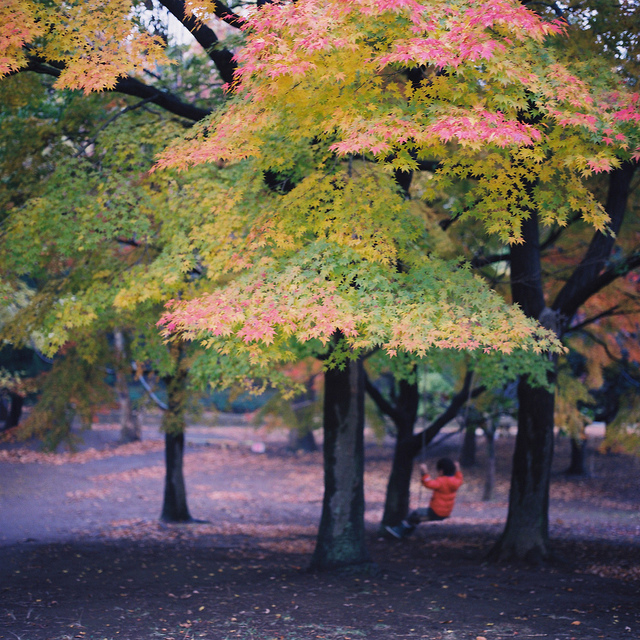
x=83 y=556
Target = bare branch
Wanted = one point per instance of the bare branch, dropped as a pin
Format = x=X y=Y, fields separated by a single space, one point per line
x=205 y=36
x=133 y=87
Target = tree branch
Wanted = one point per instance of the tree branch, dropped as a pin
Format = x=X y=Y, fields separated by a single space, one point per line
x=617 y=270
x=136 y=88
x=611 y=311
x=587 y=280
x=604 y=345
x=381 y=402
x=113 y=118
x=205 y=36
x=479 y=261
x=418 y=440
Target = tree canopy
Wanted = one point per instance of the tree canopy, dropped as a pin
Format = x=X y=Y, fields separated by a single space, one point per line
x=296 y=225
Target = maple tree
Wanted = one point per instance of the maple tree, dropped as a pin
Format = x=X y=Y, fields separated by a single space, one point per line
x=517 y=121
x=333 y=245
x=100 y=231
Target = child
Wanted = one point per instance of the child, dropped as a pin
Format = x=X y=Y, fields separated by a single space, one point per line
x=444 y=494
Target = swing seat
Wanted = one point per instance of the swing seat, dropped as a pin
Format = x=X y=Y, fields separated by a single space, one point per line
x=425 y=514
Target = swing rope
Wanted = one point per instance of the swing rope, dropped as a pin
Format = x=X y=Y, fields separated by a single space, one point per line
x=423 y=459
x=423 y=448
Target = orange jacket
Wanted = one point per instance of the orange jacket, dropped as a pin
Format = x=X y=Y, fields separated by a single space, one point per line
x=444 y=492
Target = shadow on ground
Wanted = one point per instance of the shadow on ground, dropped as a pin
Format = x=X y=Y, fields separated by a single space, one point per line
x=88 y=559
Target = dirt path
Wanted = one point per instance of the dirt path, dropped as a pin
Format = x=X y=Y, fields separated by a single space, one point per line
x=82 y=554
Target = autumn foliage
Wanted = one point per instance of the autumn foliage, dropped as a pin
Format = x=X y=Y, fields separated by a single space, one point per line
x=323 y=94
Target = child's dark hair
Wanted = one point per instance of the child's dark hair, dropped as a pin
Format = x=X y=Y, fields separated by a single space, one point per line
x=447 y=467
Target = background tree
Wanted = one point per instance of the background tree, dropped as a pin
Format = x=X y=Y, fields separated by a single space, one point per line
x=101 y=226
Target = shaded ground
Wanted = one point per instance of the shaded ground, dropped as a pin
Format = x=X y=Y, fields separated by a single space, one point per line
x=83 y=556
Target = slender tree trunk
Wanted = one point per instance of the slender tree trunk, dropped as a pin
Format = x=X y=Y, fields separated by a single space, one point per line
x=130 y=429
x=397 y=501
x=490 y=477
x=302 y=441
x=403 y=410
x=15 y=410
x=577 y=467
x=468 y=451
x=341 y=539
x=174 y=507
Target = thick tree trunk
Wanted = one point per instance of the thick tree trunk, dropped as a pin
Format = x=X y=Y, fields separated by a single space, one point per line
x=130 y=429
x=341 y=539
x=174 y=507
x=526 y=534
x=577 y=467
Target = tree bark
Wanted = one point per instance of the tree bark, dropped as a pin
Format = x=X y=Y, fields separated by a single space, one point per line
x=526 y=533
x=577 y=466
x=398 y=494
x=468 y=450
x=174 y=506
x=14 y=412
x=341 y=540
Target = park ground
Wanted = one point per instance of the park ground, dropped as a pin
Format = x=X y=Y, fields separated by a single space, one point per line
x=83 y=555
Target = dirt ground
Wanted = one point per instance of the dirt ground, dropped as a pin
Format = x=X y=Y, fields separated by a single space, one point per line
x=83 y=556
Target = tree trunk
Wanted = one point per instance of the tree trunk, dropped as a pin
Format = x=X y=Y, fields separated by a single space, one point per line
x=490 y=477
x=174 y=507
x=526 y=534
x=15 y=410
x=302 y=441
x=403 y=410
x=130 y=429
x=398 y=494
x=396 y=505
x=577 y=467
x=468 y=451
x=341 y=540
